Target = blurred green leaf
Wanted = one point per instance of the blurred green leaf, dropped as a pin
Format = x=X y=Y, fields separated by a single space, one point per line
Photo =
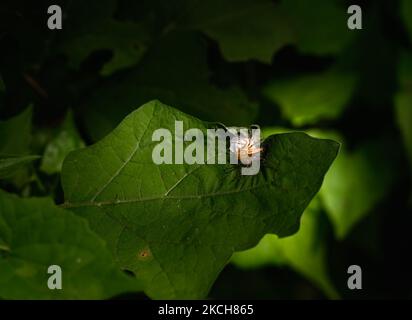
x=174 y=71
x=406 y=12
x=304 y=252
x=405 y=71
x=404 y=117
x=314 y=132
x=67 y=139
x=319 y=26
x=177 y=225
x=244 y=29
x=403 y=102
x=85 y=33
x=35 y=234
x=357 y=181
x=126 y=40
x=9 y=164
x=267 y=252
x=309 y=98
x=250 y=29
x=15 y=134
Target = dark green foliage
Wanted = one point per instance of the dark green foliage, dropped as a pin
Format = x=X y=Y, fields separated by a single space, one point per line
x=78 y=107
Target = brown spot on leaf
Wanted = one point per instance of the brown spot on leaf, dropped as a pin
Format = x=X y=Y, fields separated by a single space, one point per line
x=144 y=254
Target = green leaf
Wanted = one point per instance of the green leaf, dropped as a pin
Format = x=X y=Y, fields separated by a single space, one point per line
x=321 y=96
x=267 y=252
x=406 y=12
x=176 y=226
x=67 y=139
x=405 y=71
x=9 y=164
x=305 y=251
x=126 y=40
x=318 y=26
x=244 y=29
x=174 y=71
x=403 y=102
x=15 y=134
x=35 y=234
x=356 y=182
x=85 y=33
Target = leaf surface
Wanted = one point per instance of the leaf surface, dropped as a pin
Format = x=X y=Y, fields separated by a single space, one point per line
x=176 y=226
x=35 y=234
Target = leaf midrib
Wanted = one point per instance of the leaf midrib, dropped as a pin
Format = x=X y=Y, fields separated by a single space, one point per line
x=126 y=162
x=154 y=198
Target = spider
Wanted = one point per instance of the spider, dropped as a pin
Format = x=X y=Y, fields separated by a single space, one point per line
x=246 y=148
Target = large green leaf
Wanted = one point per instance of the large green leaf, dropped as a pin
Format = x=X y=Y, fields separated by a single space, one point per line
x=321 y=96
x=305 y=251
x=176 y=226
x=244 y=29
x=175 y=71
x=35 y=234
